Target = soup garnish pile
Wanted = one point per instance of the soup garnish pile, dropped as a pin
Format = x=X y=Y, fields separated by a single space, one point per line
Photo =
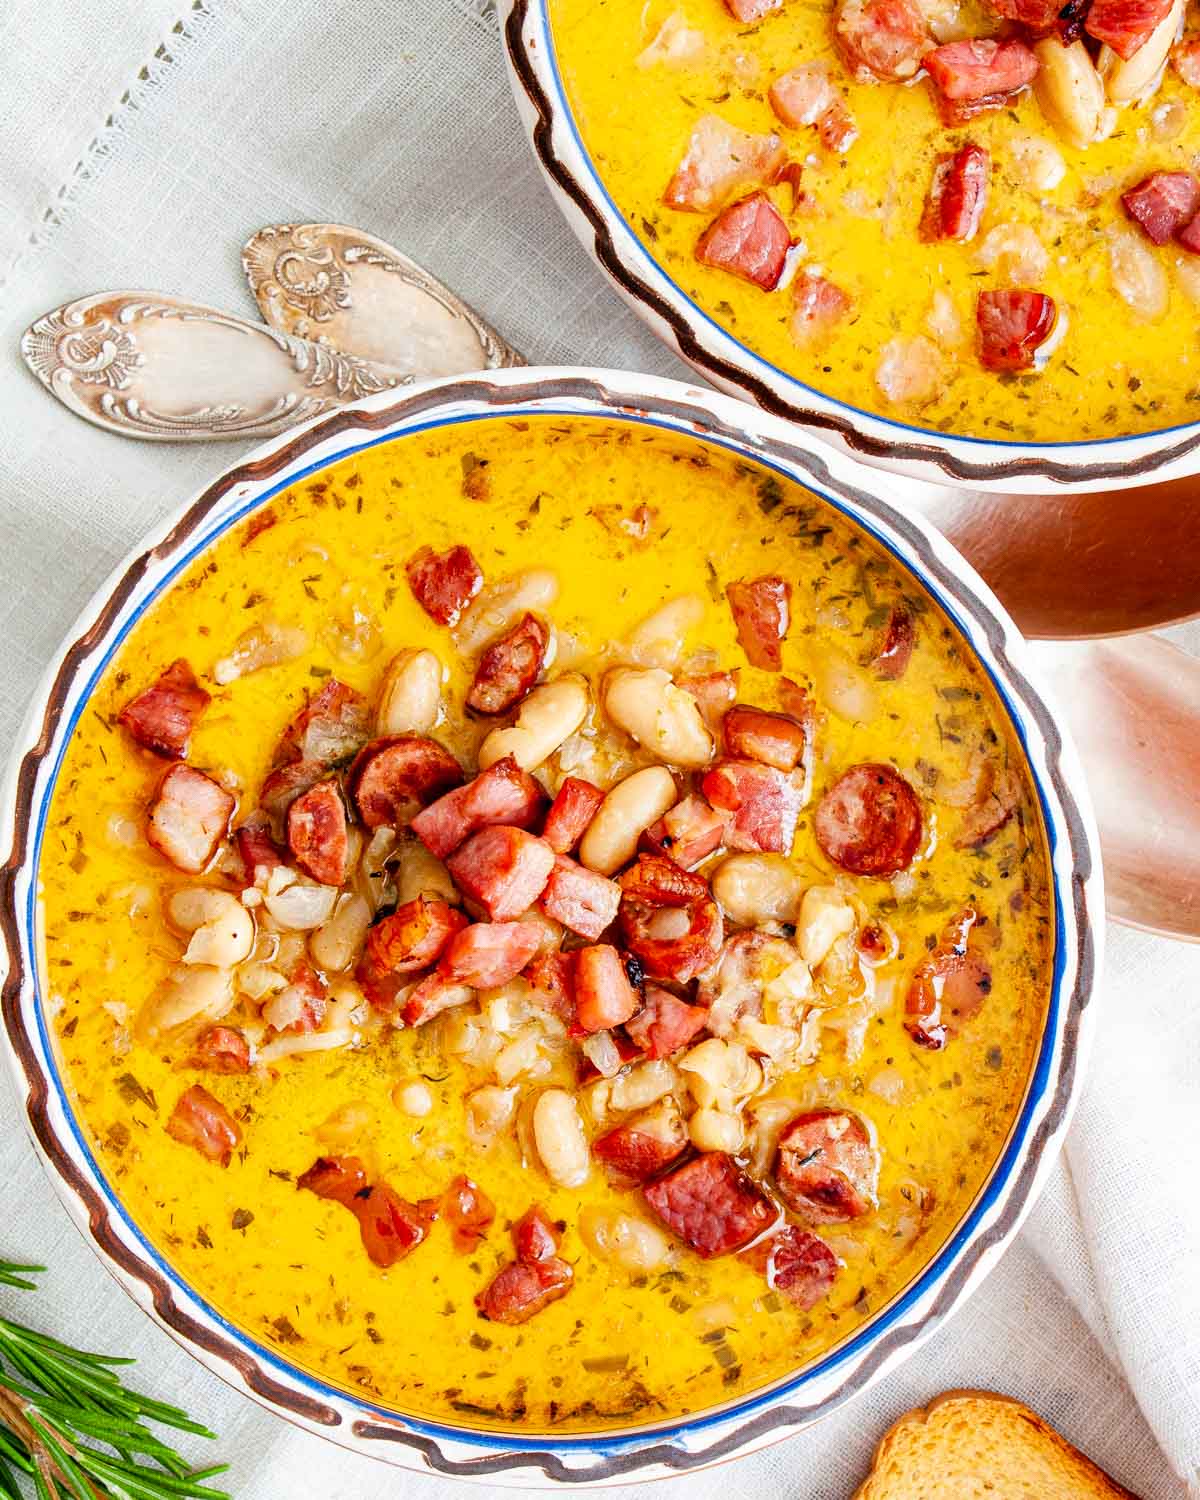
x=546 y=925
x=981 y=217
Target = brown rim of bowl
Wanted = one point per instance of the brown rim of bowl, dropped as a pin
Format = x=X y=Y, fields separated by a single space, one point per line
x=308 y=1410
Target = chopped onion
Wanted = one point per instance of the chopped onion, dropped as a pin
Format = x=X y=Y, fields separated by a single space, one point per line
x=845 y=687
x=264 y=645
x=888 y=1083
x=601 y=1051
x=311 y=1041
x=302 y=907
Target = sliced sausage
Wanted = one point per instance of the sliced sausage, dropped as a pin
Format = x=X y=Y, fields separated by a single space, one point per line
x=749 y=239
x=468 y=1211
x=283 y=785
x=502 y=869
x=509 y=667
x=687 y=833
x=720 y=160
x=603 y=995
x=948 y=986
x=764 y=803
x=501 y=794
x=826 y=1167
x=391 y=1227
x=869 y=821
x=444 y=583
x=411 y=938
x=762 y=613
x=641 y=1147
x=337 y=1178
x=188 y=818
x=580 y=899
x=317 y=835
x=162 y=718
x=202 y=1122
x=577 y=803
x=712 y=1205
x=894 y=649
x=755 y=734
x=222 y=1049
x=1014 y=323
x=665 y=1023
x=488 y=954
x=957 y=195
x=519 y=1291
x=332 y=725
x=393 y=777
x=669 y=919
x=796 y=1263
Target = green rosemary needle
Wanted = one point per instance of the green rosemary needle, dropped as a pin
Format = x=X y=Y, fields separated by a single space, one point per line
x=71 y=1430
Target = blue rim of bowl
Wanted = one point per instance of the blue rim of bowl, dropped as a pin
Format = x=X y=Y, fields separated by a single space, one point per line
x=631 y=1448
x=744 y=376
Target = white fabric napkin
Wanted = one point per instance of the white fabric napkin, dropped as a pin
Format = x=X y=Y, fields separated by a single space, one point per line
x=139 y=145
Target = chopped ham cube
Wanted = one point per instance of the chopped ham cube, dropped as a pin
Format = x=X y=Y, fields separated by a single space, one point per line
x=536 y=1278
x=502 y=869
x=721 y=160
x=580 y=899
x=749 y=239
x=957 y=195
x=1013 y=325
x=501 y=794
x=755 y=734
x=339 y=1179
x=331 y=726
x=688 y=833
x=444 y=583
x=222 y=1049
x=551 y=984
x=488 y=954
x=604 y=997
x=509 y=667
x=665 y=1023
x=882 y=39
x=807 y=96
x=714 y=692
x=712 y=1205
x=393 y=777
x=1189 y=236
x=391 y=1227
x=163 y=717
x=468 y=1211
x=1163 y=203
x=1125 y=25
x=299 y=1007
x=577 y=803
x=641 y=1147
x=764 y=802
x=826 y=1167
x=188 y=818
x=317 y=835
x=762 y=613
x=535 y=1236
x=818 y=307
x=202 y=1122
x=981 y=68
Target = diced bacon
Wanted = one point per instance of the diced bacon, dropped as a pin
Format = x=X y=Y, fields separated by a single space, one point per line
x=509 y=667
x=827 y=1167
x=641 y=1147
x=391 y=1227
x=202 y=1122
x=580 y=899
x=751 y=10
x=431 y=997
x=222 y=1049
x=551 y=985
x=981 y=67
x=1125 y=25
x=894 y=649
x=519 y=1291
x=577 y=803
x=795 y=699
x=762 y=613
x=882 y=39
x=413 y=937
x=712 y=1205
x=502 y=869
x=721 y=160
x=869 y=821
x=395 y=776
x=163 y=717
x=953 y=112
x=797 y=1264
x=604 y=997
x=1163 y=203
x=188 y=818
x=535 y=1236
x=1039 y=17
x=299 y=1007
x=444 y=583
x=1185 y=59
x=997 y=797
x=1013 y=325
x=665 y=1023
x=501 y=794
x=256 y=848
x=764 y=802
x=818 y=307
x=688 y=832
x=714 y=692
x=317 y=835
x=669 y=920
x=1189 y=236
x=807 y=96
x=750 y=239
x=330 y=727
x=957 y=195
x=948 y=986
x=488 y=954
x=339 y=1179
x=283 y=785
x=469 y=1212
x=755 y=734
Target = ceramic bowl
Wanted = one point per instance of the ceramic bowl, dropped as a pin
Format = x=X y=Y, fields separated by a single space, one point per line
x=538 y=1458
x=629 y=261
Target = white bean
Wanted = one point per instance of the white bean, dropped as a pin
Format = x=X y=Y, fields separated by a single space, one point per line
x=845 y=687
x=630 y=1242
x=665 y=719
x=335 y=944
x=188 y=997
x=643 y=1085
x=754 y=888
x=413 y=1097
x=1136 y=78
x=1039 y=162
x=1069 y=90
x=1137 y=273
x=549 y=715
x=624 y=815
x=825 y=916
x=715 y=1130
x=501 y=604
x=410 y=701
x=560 y=1139
x=489 y=1110
x=719 y=1072
x=222 y=929
x=659 y=639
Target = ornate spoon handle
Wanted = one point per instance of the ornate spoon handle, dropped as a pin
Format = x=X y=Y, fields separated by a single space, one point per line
x=151 y=366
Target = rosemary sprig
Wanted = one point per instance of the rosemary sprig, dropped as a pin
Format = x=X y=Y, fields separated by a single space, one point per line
x=71 y=1430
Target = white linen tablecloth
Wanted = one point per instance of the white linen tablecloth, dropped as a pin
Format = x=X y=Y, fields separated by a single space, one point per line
x=139 y=144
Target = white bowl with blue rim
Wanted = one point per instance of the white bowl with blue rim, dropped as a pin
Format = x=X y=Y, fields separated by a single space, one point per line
x=619 y=1455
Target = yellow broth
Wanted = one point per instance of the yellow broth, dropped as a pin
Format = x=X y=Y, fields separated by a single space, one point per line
x=289 y=1268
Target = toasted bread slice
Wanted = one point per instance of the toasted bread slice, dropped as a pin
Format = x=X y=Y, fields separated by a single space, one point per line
x=975 y=1445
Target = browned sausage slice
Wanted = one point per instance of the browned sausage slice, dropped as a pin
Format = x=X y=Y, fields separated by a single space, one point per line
x=509 y=668
x=797 y=1264
x=869 y=821
x=316 y=830
x=827 y=1167
x=394 y=777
